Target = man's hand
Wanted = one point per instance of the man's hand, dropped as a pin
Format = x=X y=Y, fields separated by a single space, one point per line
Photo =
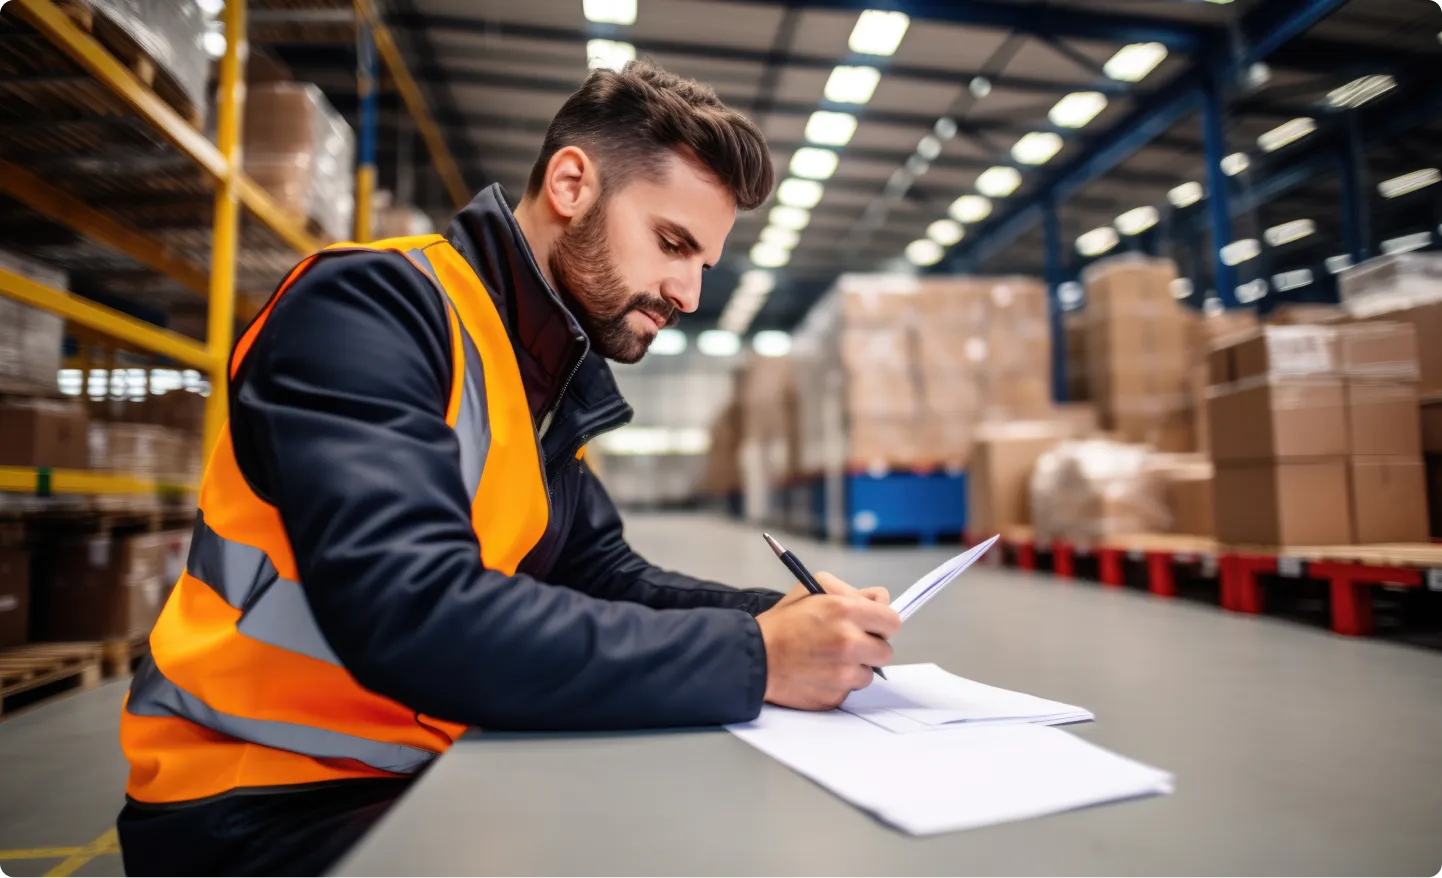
x=837 y=587
x=821 y=647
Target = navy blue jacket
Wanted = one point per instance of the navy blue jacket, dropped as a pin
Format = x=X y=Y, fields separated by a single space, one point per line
x=338 y=419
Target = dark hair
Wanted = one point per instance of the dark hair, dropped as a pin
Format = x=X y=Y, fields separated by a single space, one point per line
x=625 y=119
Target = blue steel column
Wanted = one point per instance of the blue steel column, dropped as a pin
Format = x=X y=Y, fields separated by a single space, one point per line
x=1356 y=213
x=1218 y=195
x=366 y=157
x=1051 y=230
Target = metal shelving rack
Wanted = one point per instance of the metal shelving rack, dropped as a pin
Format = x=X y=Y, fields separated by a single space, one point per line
x=220 y=164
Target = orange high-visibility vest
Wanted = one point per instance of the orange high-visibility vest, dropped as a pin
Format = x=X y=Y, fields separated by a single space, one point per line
x=243 y=691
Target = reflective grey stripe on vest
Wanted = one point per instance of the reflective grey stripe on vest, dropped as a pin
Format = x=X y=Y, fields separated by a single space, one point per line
x=151 y=694
x=473 y=424
x=273 y=609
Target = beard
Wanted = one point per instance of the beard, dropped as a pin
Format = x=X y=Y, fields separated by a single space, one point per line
x=592 y=287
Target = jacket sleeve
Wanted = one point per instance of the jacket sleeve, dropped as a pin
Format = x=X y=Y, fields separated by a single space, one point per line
x=338 y=415
x=598 y=560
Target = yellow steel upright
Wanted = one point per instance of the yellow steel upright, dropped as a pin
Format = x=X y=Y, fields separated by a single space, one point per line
x=230 y=106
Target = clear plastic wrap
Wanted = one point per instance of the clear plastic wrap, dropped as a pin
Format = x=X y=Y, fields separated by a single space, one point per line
x=1391 y=283
x=30 y=339
x=170 y=32
x=300 y=150
x=1083 y=491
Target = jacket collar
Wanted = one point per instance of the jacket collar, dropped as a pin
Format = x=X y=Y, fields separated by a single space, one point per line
x=551 y=348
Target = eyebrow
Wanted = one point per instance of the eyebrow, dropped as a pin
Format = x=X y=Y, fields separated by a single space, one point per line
x=681 y=232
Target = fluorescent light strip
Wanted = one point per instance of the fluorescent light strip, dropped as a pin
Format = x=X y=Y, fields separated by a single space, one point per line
x=924 y=251
x=998 y=182
x=1077 y=109
x=1407 y=243
x=1338 y=264
x=1137 y=220
x=668 y=343
x=945 y=232
x=1287 y=132
x=794 y=218
x=795 y=192
x=970 y=208
x=769 y=255
x=718 y=343
x=1037 y=148
x=771 y=343
x=1235 y=163
x=1292 y=280
x=1285 y=233
x=1238 y=252
x=1097 y=241
x=1133 y=63
x=830 y=128
x=1408 y=182
x=778 y=237
x=813 y=163
x=851 y=85
x=610 y=11
x=1360 y=91
x=1186 y=194
x=1251 y=291
x=610 y=54
x=878 y=32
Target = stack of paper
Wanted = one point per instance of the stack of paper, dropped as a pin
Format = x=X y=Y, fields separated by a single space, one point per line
x=958 y=778
x=930 y=585
x=921 y=698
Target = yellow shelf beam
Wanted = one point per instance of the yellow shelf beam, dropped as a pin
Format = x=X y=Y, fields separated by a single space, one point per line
x=65 y=208
x=415 y=102
x=57 y=27
x=43 y=481
x=113 y=323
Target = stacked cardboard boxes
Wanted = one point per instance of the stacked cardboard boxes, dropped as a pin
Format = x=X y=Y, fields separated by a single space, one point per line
x=1432 y=449
x=1085 y=491
x=1315 y=436
x=300 y=150
x=999 y=494
x=95 y=587
x=767 y=449
x=30 y=339
x=1138 y=343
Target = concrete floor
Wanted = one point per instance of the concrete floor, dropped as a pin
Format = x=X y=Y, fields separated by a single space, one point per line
x=1295 y=751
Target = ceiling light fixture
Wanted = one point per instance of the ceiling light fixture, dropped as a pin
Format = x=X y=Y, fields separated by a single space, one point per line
x=814 y=163
x=878 y=32
x=771 y=343
x=609 y=54
x=1037 y=148
x=1251 y=291
x=1238 y=252
x=795 y=192
x=1077 y=109
x=945 y=232
x=999 y=181
x=1137 y=220
x=1408 y=182
x=769 y=255
x=929 y=147
x=1070 y=294
x=610 y=11
x=1132 y=63
x=1285 y=233
x=718 y=343
x=830 y=128
x=1407 y=243
x=1097 y=241
x=779 y=237
x=1235 y=163
x=1287 y=132
x=851 y=85
x=794 y=218
x=970 y=208
x=1292 y=280
x=924 y=251
x=668 y=343
x=1361 y=90
x=1339 y=263
x=1186 y=194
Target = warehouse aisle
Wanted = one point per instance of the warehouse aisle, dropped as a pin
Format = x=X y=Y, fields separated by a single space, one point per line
x=1277 y=733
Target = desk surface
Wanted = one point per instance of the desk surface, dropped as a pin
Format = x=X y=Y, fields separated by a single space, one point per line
x=1294 y=751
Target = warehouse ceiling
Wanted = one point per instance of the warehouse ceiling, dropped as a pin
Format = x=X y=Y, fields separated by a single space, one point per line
x=990 y=72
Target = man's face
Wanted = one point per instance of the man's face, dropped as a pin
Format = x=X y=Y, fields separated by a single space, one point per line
x=634 y=261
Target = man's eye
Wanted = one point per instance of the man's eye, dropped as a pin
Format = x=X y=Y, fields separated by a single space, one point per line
x=669 y=247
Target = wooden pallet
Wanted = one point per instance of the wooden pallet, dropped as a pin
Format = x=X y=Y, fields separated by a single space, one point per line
x=121 y=655
x=130 y=53
x=76 y=666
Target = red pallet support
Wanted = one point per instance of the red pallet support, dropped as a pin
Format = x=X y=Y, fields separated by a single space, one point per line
x=1026 y=555
x=1109 y=567
x=1351 y=591
x=1063 y=560
x=1241 y=593
x=1160 y=580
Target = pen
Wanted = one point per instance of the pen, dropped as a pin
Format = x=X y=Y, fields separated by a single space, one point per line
x=799 y=571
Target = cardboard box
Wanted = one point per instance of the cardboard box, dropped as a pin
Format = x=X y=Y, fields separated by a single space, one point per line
x=98 y=587
x=1189 y=499
x=885 y=443
x=43 y=433
x=999 y=483
x=14 y=596
x=1286 y=351
x=1278 y=420
x=1433 y=463
x=1389 y=500
x=1383 y=419
x=1286 y=503
x=1219 y=366
x=1431 y=417
x=1299 y=314
x=1426 y=320
x=1381 y=351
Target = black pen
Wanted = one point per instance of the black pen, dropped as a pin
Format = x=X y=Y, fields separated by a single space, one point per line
x=799 y=571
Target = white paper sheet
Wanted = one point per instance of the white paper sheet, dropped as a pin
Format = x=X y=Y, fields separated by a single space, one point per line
x=918 y=698
x=960 y=777
x=930 y=585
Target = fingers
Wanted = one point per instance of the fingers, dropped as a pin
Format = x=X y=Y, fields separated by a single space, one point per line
x=834 y=585
x=872 y=652
x=876 y=595
x=873 y=618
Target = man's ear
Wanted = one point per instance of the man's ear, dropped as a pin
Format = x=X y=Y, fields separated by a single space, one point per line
x=572 y=184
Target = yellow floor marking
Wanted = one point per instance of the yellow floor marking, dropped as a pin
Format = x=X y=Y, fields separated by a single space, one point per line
x=72 y=857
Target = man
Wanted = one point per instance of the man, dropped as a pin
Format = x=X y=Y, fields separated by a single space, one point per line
x=398 y=538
